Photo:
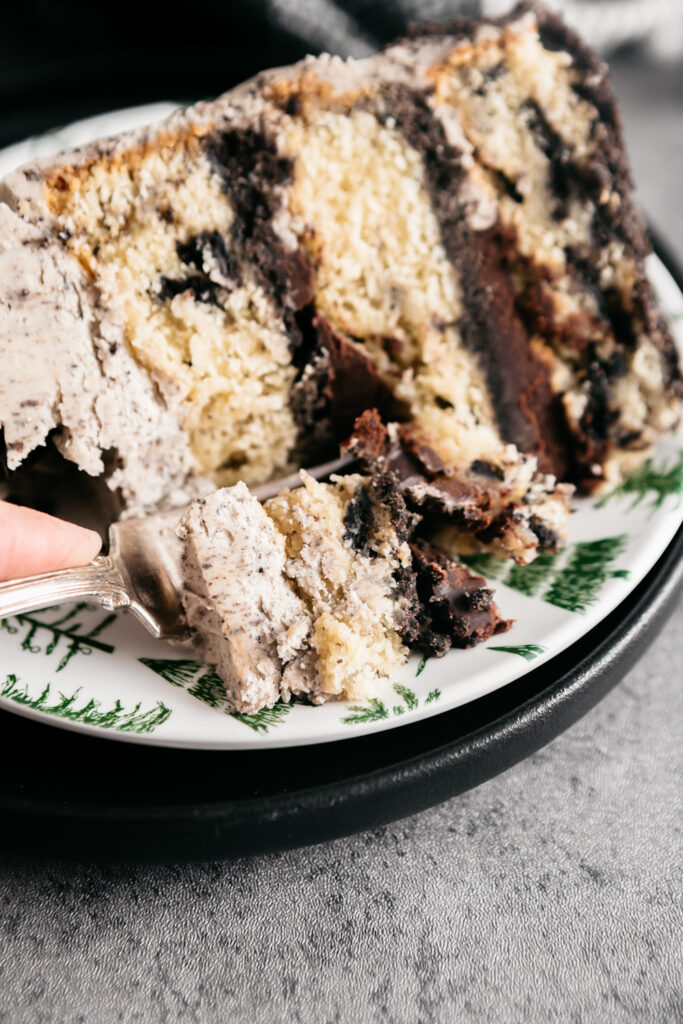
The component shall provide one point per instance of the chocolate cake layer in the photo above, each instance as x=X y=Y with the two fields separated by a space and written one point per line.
x=579 y=288
x=457 y=606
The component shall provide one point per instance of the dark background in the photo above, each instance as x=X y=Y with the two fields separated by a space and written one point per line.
x=59 y=62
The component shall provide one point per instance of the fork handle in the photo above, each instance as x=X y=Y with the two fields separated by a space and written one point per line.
x=100 y=581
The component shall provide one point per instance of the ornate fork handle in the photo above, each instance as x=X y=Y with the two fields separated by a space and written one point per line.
x=100 y=581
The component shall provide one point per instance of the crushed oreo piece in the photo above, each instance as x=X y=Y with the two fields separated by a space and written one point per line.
x=547 y=538
x=252 y=173
x=598 y=415
x=208 y=252
x=457 y=605
x=564 y=171
x=508 y=186
x=358 y=519
x=202 y=290
x=376 y=505
x=615 y=365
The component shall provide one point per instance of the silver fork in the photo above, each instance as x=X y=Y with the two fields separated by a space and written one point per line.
x=141 y=573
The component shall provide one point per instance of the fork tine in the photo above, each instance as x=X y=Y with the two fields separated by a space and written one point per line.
x=325 y=469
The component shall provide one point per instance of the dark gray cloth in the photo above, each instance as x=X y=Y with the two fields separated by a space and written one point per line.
x=552 y=893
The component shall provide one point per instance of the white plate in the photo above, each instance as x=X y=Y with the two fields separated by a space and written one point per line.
x=84 y=669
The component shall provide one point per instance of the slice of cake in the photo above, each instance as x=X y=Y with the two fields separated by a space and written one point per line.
x=444 y=232
x=317 y=593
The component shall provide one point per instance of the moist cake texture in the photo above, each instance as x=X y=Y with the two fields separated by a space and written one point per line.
x=444 y=232
x=317 y=594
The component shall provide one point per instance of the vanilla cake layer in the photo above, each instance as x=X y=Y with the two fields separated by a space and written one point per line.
x=444 y=232
x=317 y=593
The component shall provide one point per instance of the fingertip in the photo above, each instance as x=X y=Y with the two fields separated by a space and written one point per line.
x=32 y=542
x=89 y=547
x=73 y=545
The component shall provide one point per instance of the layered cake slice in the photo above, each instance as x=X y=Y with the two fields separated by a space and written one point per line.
x=444 y=232
x=317 y=593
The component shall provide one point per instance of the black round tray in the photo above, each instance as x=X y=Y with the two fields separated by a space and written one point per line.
x=67 y=795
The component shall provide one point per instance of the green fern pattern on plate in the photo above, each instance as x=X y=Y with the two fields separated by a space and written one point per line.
x=375 y=710
x=265 y=719
x=117 y=717
x=647 y=480
x=407 y=695
x=210 y=689
x=179 y=673
x=590 y=565
x=528 y=579
x=526 y=651
x=43 y=635
x=360 y=714
x=571 y=579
